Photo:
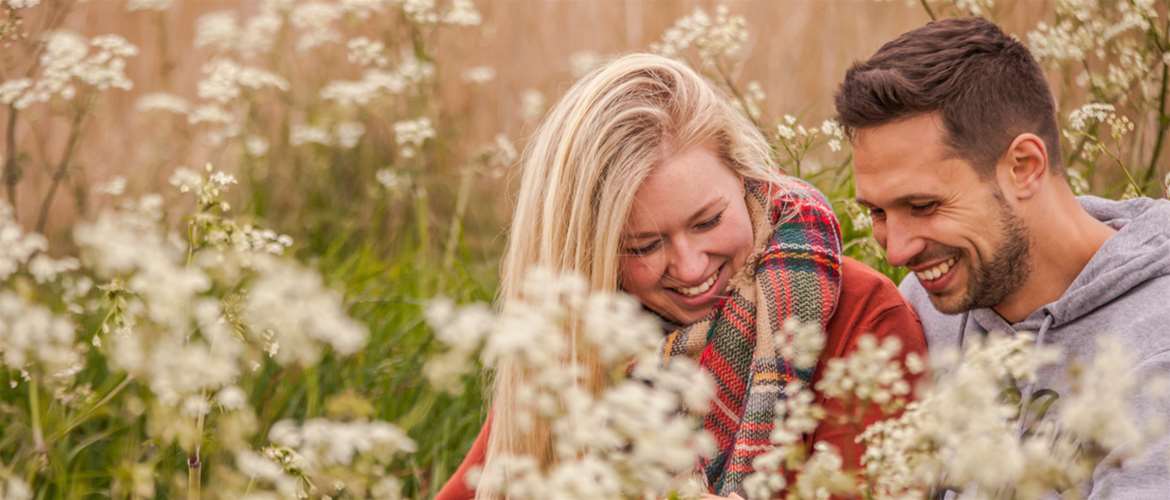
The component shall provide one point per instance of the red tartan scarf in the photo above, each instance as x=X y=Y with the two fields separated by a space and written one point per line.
x=795 y=273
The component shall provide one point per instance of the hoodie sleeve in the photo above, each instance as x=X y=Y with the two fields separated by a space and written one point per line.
x=1148 y=474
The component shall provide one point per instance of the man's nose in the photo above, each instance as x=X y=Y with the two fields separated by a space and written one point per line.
x=900 y=241
x=688 y=262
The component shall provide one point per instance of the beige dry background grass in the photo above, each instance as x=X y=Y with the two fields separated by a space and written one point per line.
x=798 y=50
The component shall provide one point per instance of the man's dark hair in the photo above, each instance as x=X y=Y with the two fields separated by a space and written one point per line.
x=985 y=85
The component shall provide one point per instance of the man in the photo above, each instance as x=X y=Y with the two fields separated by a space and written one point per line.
x=957 y=157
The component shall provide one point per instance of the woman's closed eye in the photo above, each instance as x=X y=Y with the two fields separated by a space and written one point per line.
x=710 y=223
x=644 y=249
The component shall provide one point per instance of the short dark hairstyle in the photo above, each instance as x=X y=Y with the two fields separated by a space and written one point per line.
x=985 y=84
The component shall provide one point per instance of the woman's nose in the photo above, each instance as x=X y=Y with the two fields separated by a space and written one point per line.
x=688 y=262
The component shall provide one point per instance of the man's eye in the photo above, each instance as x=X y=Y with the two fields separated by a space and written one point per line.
x=877 y=213
x=923 y=208
x=643 y=250
x=710 y=223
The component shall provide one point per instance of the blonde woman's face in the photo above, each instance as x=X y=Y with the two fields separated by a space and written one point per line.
x=688 y=234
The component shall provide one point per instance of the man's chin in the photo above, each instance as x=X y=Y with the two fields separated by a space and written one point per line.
x=949 y=303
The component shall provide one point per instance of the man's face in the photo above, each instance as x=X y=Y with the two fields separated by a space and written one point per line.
x=935 y=215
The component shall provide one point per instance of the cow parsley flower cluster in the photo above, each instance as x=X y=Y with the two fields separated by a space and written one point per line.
x=334 y=458
x=226 y=80
x=794 y=141
x=971 y=431
x=379 y=82
x=634 y=437
x=68 y=60
x=713 y=38
x=873 y=373
x=1082 y=124
x=1106 y=41
x=411 y=134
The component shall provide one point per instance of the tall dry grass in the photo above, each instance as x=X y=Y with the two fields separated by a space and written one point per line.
x=798 y=51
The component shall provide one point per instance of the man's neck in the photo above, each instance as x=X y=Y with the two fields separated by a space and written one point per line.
x=1061 y=245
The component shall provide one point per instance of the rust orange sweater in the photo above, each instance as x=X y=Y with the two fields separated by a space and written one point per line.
x=869 y=303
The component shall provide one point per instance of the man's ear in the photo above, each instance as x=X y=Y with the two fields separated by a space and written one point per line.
x=1024 y=166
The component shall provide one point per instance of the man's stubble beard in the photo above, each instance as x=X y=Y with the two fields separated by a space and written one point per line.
x=1008 y=268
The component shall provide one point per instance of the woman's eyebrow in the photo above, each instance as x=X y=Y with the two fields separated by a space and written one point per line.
x=699 y=214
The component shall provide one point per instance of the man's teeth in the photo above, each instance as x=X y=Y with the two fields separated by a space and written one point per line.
x=936 y=271
x=700 y=289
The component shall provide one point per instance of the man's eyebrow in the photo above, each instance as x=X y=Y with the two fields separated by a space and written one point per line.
x=694 y=217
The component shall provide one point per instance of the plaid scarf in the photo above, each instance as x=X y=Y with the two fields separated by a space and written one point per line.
x=795 y=273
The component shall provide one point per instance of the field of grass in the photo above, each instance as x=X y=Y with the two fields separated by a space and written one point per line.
x=390 y=219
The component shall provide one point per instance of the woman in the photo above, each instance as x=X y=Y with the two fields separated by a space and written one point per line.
x=643 y=178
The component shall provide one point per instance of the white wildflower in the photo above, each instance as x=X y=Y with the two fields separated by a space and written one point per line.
x=255 y=145
x=113 y=187
x=362 y=9
x=219 y=30
x=872 y=373
x=479 y=74
x=16 y=246
x=325 y=443
x=582 y=62
x=315 y=21
x=975 y=7
x=411 y=134
x=349 y=134
x=462 y=13
x=802 y=343
x=1096 y=412
x=159 y=5
x=294 y=306
x=420 y=11
x=22 y=4
x=211 y=115
x=44 y=268
x=162 y=101
x=231 y=398
x=227 y=79
x=373 y=84
x=262 y=468
x=15 y=92
x=307 y=134
x=366 y=52
x=31 y=336
x=259 y=34
x=390 y=180
x=715 y=38
x=15 y=488
x=531 y=104
x=1077 y=181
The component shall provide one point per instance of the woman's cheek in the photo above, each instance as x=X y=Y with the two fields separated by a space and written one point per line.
x=637 y=273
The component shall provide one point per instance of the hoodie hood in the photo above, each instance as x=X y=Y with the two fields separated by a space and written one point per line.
x=1139 y=252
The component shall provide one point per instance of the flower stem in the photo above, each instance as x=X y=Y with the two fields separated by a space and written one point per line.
x=461 y=203
x=1163 y=124
x=194 y=471
x=12 y=171
x=34 y=406
x=63 y=166
x=195 y=465
x=929 y=11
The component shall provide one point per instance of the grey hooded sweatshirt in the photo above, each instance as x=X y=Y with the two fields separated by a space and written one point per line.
x=1124 y=292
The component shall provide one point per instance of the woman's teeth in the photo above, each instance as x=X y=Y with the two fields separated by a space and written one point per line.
x=936 y=271
x=700 y=289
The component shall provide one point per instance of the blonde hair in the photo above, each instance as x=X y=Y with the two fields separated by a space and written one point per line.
x=579 y=174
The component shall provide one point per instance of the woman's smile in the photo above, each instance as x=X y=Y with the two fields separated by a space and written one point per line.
x=703 y=294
